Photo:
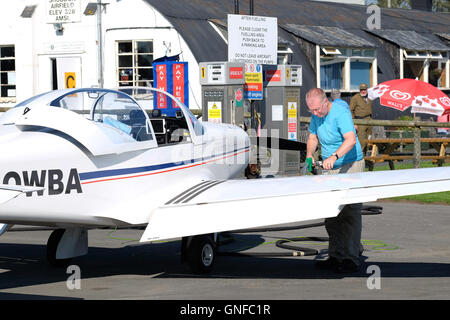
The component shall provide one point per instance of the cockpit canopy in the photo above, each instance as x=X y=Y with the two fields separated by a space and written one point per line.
x=107 y=120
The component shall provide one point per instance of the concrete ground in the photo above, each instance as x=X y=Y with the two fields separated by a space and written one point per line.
x=407 y=246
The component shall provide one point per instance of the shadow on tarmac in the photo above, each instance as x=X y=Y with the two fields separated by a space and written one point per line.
x=17 y=296
x=26 y=265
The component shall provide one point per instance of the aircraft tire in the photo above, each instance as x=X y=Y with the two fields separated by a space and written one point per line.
x=52 y=246
x=201 y=254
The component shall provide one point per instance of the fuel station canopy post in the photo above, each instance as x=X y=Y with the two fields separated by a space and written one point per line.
x=91 y=9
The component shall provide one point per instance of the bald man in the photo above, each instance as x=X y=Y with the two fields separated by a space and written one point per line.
x=332 y=126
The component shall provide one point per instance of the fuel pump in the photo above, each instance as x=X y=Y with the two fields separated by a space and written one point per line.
x=280 y=115
x=222 y=92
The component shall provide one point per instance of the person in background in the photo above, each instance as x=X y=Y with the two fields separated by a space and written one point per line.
x=335 y=94
x=332 y=126
x=443 y=118
x=361 y=108
x=253 y=171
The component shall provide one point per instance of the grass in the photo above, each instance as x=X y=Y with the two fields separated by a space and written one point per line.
x=436 y=198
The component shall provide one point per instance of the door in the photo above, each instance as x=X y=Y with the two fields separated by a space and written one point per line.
x=66 y=72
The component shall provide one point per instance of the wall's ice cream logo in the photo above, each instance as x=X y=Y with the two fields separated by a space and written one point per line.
x=396 y=94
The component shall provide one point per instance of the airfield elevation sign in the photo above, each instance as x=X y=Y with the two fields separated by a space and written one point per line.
x=252 y=39
x=63 y=11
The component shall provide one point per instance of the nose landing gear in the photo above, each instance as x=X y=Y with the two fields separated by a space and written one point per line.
x=65 y=244
x=52 y=247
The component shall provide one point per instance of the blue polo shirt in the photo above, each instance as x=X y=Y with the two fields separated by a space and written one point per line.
x=330 y=131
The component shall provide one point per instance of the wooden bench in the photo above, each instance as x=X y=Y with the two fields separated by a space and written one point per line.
x=380 y=150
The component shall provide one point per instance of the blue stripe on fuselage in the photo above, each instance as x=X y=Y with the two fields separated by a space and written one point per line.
x=125 y=171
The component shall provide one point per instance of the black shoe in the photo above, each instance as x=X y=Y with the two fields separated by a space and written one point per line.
x=347 y=266
x=329 y=264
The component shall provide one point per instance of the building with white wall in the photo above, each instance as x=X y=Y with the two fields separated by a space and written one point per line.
x=43 y=49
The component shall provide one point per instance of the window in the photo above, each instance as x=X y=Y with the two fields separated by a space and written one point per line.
x=429 y=66
x=111 y=111
x=183 y=127
x=284 y=54
x=134 y=63
x=437 y=74
x=346 y=68
x=359 y=73
x=121 y=112
x=331 y=73
x=413 y=69
x=330 y=51
x=7 y=72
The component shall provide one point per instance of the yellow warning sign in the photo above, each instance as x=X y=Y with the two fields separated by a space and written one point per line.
x=70 y=80
x=255 y=77
x=215 y=111
x=292 y=110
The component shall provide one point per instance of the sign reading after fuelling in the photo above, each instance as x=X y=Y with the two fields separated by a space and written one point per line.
x=63 y=11
x=252 y=39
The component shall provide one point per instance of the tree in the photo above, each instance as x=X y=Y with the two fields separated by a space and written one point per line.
x=403 y=4
x=441 y=5
x=438 y=5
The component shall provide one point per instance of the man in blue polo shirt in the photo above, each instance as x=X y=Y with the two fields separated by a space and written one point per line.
x=332 y=126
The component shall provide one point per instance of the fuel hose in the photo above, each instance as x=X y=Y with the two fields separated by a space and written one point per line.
x=286 y=243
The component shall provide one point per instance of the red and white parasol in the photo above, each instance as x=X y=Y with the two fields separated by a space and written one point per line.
x=401 y=94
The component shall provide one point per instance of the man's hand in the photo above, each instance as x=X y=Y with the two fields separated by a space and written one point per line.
x=329 y=163
x=310 y=163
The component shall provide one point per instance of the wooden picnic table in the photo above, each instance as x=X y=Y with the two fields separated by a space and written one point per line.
x=385 y=149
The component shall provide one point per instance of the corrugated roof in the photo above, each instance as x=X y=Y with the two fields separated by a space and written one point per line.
x=303 y=12
x=445 y=36
x=191 y=18
x=412 y=40
x=328 y=36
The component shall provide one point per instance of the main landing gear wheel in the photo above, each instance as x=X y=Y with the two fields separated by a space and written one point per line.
x=52 y=246
x=200 y=253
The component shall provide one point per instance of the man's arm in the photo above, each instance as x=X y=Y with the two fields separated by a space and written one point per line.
x=311 y=145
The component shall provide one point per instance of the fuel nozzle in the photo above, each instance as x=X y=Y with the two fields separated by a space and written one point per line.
x=318 y=167
x=315 y=167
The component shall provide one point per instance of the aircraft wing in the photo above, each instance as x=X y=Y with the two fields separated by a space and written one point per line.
x=225 y=205
x=8 y=192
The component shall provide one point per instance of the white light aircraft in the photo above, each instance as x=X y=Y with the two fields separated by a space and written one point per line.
x=79 y=159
